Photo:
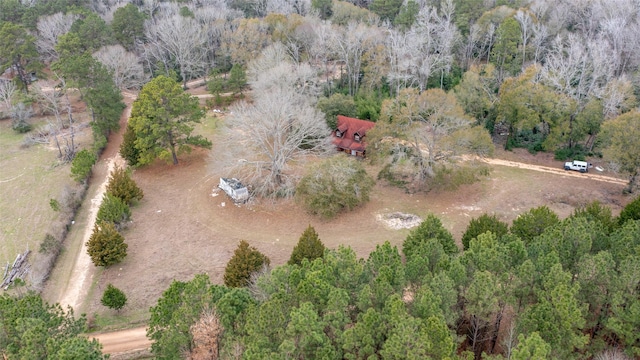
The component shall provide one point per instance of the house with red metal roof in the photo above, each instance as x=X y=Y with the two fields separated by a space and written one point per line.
x=349 y=135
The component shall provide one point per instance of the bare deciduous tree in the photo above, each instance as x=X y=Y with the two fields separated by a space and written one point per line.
x=425 y=50
x=351 y=43
x=7 y=91
x=540 y=35
x=579 y=69
x=526 y=24
x=177 y=39
x=55 y=101
x=125 y=67
x=206 y=334
x=49 y=29
x=278 y=127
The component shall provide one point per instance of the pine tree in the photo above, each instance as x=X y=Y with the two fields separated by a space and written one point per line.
x=113 y=210
x=128 y=148
x=113 y=298
x=122 y=186
x=106 y=245
x=245 y=261
x=630 y=212
x=309 y=247
x=481 y=225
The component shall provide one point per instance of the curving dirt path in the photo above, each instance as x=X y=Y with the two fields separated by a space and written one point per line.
x=123 y=341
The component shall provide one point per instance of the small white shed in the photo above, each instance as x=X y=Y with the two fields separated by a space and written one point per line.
x=235 y=189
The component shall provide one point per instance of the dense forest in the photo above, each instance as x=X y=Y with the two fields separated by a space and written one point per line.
x=556 y=76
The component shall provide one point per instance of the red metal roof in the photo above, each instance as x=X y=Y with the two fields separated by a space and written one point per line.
x=349 y=127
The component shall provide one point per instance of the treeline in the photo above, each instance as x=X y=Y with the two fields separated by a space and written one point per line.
x=552 y=76
x=543 y=288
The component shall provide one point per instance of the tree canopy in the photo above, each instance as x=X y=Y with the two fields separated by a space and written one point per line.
x=34 y=329
x=162 y=118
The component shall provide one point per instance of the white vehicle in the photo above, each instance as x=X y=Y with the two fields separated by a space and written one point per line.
x=577 y=165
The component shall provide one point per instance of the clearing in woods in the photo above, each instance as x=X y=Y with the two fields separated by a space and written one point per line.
x=185 y=226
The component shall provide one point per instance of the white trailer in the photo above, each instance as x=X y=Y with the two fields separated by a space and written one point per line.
x=235 y=189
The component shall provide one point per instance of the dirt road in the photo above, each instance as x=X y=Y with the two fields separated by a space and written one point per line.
x=551 y=170
x=123 y=341
x=80 y=278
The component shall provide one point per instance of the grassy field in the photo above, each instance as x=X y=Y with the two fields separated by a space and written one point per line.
x=29 y=178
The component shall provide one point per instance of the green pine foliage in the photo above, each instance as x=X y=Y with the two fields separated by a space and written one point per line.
x=128 y=149
x=163 y=118
x=630 y=212
x=596 y=212
x=122 y=186
x=245 y=261
x=82 y=164
x=429 y=228
x=113 y=298
x=336 y=185
x=106 y=245
x=573 y=288
x=481 y=225
x=114 y=210
x=308 y=247
x=334 y=105
x=533 y=223
x=34 y=329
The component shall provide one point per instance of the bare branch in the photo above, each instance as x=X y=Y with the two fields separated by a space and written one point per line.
x=125 y=66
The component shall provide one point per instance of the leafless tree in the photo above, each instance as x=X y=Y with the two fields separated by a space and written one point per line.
x=618 y=97
x=177 y=39
x=207 y=334
x=7 y=91
x=612 y=354
x=278 y=127
x=351 y=43
x=424 y=50
x=210 y=11
x=473 y=40
x=526 y=25
x=20 y=115
x=400 y=59
x=125 y=67
x=449 y=38
x=55 y=101
x=540 y=35
x=580 y=69
x=270 y=58
x=322 y=48
x=49 y=29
